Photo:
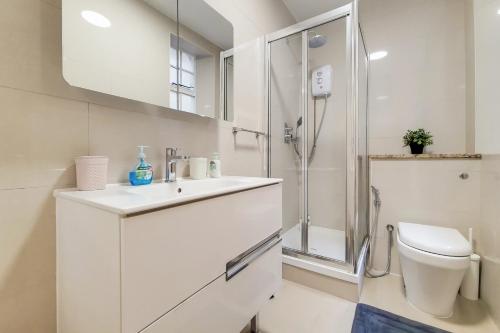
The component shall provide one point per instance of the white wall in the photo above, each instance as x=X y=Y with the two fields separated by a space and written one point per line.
x=425 y=192
x=470 y=73
x=46 y=123
x=489 y=244
x=487 y=75
x=421 y=82
x=486 y=28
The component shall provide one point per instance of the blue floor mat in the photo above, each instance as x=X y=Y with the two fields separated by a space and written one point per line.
x=369 y=319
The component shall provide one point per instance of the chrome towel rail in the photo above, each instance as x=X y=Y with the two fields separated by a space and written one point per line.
x=257 y=133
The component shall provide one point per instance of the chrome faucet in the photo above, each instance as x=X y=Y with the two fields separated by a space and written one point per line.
x=171 y=164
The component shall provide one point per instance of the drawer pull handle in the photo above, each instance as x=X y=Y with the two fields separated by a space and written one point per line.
x=242 y=261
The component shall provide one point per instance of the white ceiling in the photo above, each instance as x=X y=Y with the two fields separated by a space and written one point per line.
x=198 y=16
x=304 y=9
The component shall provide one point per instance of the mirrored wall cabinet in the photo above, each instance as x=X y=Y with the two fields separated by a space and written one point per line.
x=175 y=54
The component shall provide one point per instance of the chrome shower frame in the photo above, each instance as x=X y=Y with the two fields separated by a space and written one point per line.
x=353 y=219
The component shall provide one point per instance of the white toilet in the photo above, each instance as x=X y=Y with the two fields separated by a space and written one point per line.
x=433 y=263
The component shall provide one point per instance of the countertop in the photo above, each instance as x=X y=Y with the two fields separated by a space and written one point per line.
x=126 y=200
x=426 y=157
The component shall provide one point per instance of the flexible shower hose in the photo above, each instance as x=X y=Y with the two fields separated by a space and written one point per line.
x=316 y=132
x=377 y=203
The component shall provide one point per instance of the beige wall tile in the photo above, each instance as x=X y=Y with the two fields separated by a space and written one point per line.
x=489 y=240
x=56 y=3
x=117 y=133
x=27 y=261
x=421 y=82
x=490 y=288
x=40 y=137
x=249 y=78
x=470 y=90
x=487 y=80
x=265 y=14
x=242 y=153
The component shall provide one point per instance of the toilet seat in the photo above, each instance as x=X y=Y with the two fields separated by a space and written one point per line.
x=432 y=259
x=434 y=240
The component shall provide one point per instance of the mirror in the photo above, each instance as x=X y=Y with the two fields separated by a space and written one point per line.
x=226 y=87
x=168 y=53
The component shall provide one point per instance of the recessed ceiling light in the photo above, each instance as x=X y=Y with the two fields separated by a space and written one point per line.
x=382 y=98
x=96 y=19
x=378 y=55
x=498 y=12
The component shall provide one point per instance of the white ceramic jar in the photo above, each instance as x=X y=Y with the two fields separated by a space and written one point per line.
x=198 y=167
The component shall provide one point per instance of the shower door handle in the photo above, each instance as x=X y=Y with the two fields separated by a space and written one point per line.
x=288 y=134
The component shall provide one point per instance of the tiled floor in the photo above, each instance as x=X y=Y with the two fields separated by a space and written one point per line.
x=299 y=309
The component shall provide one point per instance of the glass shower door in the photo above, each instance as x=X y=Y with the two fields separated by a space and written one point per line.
x=312 y=131
x=285 y=100
x=327 y=118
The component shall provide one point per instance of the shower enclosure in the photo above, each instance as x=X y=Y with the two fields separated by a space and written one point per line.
x=317 y=90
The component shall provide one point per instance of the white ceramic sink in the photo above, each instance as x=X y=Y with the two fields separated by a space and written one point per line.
x=125 y=199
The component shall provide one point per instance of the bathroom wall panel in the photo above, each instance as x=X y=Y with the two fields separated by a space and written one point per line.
x=470 y=89
x=489 y=241
x=40 y=136
x=115 y=133
x=27 y=260
x=242 y=153
x=249 y=87
x=421 y=81
x=426 y=192
x=487 y=74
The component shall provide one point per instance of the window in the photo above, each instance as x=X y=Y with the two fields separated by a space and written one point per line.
x=184 y=91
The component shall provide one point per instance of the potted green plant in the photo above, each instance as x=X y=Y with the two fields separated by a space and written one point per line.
x=417 y=140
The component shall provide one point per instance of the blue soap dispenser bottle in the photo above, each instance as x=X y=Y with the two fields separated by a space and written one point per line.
x=142 y=174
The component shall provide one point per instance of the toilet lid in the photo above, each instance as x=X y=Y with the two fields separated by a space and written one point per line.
x=438 y=240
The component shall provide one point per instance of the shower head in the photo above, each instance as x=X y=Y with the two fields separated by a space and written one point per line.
x=317 y=40
x=376 y=196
